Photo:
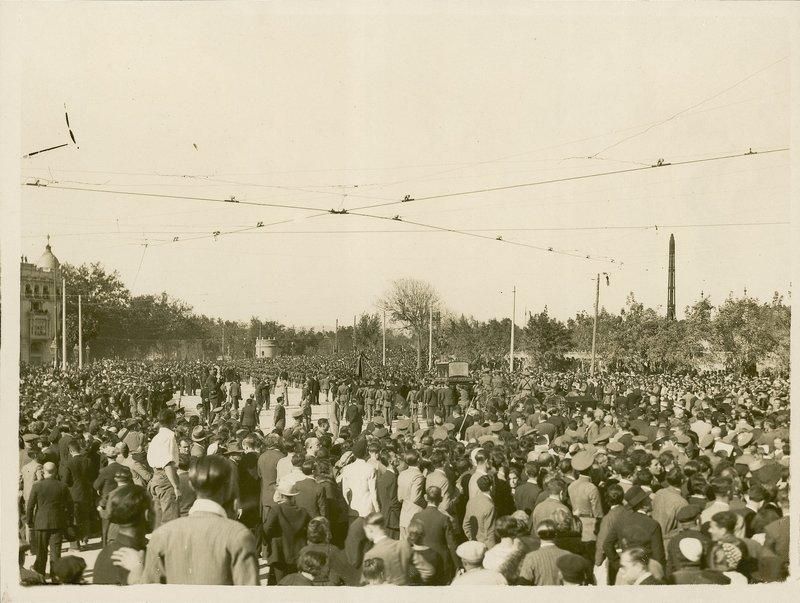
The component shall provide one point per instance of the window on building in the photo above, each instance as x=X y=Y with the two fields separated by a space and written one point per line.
x=46 y=291
x=28 y=291
x=36 y=290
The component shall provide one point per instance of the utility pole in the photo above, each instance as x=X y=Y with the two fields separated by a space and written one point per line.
x=430 y=336
x=80 y=334
x=513 y=318
x=594 y=328
x=384 y=338
x=63 y=324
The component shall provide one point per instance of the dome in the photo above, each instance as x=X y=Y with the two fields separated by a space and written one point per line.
x=48 y=261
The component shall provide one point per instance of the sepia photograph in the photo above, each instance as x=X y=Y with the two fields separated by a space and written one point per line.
x=369 y=295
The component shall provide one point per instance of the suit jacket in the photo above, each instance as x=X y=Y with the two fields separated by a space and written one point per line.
x=396 y=556
x=50 y=505
x=268 y=472
x=105 y=482
x=411 y=493
x=441 y=480
x=311 y=497
x=777 y=540
x=634 y=526
x=545 y=510
x=525 y=497
x=438 y=529
x=609 y=523
x=285 y=530
x=279 y=417
x=223 y=552
x=479 y=520
x=249 y=417
x=78 y=474
x=386 y=489
x=666 y=504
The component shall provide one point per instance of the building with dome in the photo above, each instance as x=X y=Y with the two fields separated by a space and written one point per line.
x=40 y=307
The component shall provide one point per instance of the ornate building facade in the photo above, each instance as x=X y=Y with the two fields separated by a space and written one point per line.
x=40 y=307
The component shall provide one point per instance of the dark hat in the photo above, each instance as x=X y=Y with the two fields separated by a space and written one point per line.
x=69 y=569
x=131 y=422
x=574 y=568
x=688 y=513
x=233 y=447
x=360 y=448
x=635 y=496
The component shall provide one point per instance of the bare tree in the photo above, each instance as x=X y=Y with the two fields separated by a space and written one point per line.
x=408 y=302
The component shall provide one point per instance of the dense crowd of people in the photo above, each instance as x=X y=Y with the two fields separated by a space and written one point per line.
x=531 y=478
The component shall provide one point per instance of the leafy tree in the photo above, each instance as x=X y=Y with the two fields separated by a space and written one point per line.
x=546 y=339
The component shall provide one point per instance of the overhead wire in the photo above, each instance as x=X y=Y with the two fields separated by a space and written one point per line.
x=687 y=109
x=659 y=164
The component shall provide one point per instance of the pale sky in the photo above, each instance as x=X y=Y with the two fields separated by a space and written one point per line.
x=299 y=109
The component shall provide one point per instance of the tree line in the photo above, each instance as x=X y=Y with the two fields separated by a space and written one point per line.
x=739 y=334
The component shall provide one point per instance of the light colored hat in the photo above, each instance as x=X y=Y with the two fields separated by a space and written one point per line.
x=691 y=548
x=471 y=551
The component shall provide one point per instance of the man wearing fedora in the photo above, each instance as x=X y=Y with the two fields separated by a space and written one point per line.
x=284 y=532
x=199 y=442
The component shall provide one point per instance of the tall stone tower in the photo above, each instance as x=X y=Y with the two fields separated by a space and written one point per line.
x=671 y=280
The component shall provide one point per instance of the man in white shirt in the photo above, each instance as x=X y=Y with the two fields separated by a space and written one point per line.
x=162 y=456
x=358 y=482
x=721 y=488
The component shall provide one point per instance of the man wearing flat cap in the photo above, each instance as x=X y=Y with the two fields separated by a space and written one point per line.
x=585 y=500
x=471 y=554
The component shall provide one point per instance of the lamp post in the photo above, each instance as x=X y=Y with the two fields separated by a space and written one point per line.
x=53 y=349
